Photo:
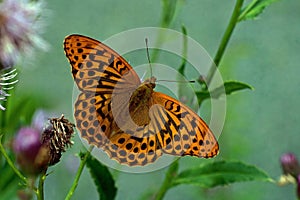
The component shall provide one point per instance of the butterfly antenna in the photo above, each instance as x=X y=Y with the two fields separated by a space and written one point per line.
x=192 y=81
x=148 y=56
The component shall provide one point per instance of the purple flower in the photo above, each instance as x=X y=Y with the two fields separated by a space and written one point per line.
x=31 y=156
x=290 y=165
x=20 y=26
x=291 y=171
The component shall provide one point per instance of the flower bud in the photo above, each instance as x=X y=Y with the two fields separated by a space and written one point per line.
x=290 y=165
x=31 y=156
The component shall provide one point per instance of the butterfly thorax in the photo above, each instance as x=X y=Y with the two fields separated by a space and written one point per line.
x=139 y=103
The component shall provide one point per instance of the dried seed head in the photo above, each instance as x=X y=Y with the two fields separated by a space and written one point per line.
x=57 y=137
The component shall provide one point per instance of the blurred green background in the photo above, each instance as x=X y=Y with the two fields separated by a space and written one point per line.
x=260 y=125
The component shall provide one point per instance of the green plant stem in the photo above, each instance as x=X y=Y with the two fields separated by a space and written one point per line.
x=10 y=163
x=184 y=50
x=225 y=39
x=78 y=174
x=172 y=170
x=171 y=173
x=168 y=15
x=3 y=116
x=40 y=189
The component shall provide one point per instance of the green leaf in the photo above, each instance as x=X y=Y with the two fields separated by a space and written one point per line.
x=220 y=173
x=253 y=9
x=185 y=92
x=11 y=190
x=202 y=95
x=103 y=179
x=9 y=182
x=229 y=87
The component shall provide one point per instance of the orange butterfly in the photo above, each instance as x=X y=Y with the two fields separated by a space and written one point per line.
x=131 y=122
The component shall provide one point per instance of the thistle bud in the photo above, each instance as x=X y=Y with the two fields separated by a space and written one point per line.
x=290 y=165
x=31 y=155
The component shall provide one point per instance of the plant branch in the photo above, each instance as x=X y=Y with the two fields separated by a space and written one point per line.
x=184 y=50
x=168 y=15
x=171 y=173
x=172 y=170
x=10 y=163
x=78 y=174
x=40 y=189
x=225 y=39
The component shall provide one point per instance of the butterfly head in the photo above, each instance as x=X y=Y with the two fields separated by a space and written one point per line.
x=150 y=81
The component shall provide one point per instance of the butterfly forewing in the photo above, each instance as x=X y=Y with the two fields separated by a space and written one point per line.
x=132 y=131
x=95 y=67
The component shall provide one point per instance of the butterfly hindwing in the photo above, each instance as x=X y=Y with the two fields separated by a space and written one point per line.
x=180 y=130
x=126 y=148
x=93 y=118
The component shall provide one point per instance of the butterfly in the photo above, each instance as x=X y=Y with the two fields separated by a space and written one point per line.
x=125 y=117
